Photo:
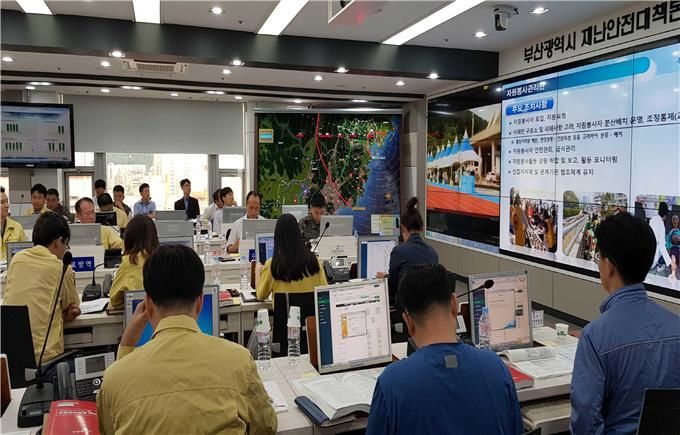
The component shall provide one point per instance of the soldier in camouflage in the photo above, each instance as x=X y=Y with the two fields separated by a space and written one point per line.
x=310 y=225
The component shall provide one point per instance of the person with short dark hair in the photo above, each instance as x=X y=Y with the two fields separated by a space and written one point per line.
x=118 y=198
x=33 y=278
x=52 y=202
x=12 y=231
x=226 y=195
x=105 y=203
x=99 y=187
x=145 y=206
x=182 y=381
x=216 y=207
x=310 y=225
x=86 y=215
x=633 y=346
x=38 y=199
x=141 y=241
x=445 y=386
x=187 y=202
x=253 y=201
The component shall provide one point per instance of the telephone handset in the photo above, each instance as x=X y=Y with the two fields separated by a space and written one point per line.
x=87 y=379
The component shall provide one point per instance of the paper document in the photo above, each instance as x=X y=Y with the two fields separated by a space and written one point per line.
x=547 y=367
x=568 y=350
x=95 y=306
x=516 y=355
x=276 y=396
x=547 y=336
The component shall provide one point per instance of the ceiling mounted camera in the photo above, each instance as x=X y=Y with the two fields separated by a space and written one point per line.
x=501 y=17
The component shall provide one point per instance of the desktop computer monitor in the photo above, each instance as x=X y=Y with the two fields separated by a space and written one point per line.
x=352 y=325
x=14 y=247
x=27 y=222
x=251 y=227
x=180 y=228
x=85 y=234
x=232 y=214
x=208 y=319
x=385 y=224
x=108 y=218
x=264 y=247
x=299 y=211
x=187 y=241
x=171 y=215
x=506 y=294
x=338 y=225
x=373 y=255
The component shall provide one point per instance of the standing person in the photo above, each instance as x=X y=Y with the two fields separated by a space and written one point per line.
x=253 y=201
x=182 y=381
x=145 y=206
x=52 y=201
x=635 y=343
x=86 y=215
x=38 y=199
x=187 y=202
x=12 y=231
x=658 y=224
x=119 y=197
x=310 y=225
x=105 y=203
x=445 y=386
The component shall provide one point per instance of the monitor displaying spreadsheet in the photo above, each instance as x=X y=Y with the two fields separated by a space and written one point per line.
x=373 y=255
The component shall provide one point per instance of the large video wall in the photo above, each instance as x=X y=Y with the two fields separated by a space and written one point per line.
x=576 y=146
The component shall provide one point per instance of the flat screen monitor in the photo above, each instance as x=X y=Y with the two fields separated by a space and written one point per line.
x=373 y=255
x=338 y=225
x=506 y=294
x=353 y=325
x=385 y=224
x=171 y=215
x=232 y=214
x=187 y=241
x=37 y=135
x=86 y=234
x=27 y=222
x=180 y=228
x=264 y=247
x=14 y=247
x=208 y=319
x=108 y=218
x=251 y=227
x=299 y=211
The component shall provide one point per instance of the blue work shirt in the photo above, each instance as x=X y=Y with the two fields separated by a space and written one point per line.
x=632 y=346
x=421 y=395
x=413 y=251
x=144 y=208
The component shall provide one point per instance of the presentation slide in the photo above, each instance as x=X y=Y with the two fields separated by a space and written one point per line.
x=581 y=145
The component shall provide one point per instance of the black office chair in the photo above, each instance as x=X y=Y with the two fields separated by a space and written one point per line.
x=282 y=303
x=660 y=413
x=16 y=342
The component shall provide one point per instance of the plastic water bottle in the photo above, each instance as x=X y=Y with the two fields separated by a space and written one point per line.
x=484 y=329
x=207 y=255
x=245 y=269
x=294 y=336
x=263 y=331
x=225 y=252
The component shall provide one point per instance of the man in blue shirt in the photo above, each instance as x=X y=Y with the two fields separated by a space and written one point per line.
x=445 y=386
x=145 y=206
x=633 y=345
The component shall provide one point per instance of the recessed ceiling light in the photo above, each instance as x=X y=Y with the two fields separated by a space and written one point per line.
x=226 y=71
x=174 y=94
x=216 y=10
x=7 y=59
x=400 y=83
x=297 y=101
x=105 y=63
x=41 y=83
x=236 y=62
x=34 y=7
x=433 y=76
x=117 y=54
x=480 y=34
x=281 y=16
x=539 y=10
x=359 y=101
x=341 y=70
x=104 y=90
x=147 y=11
x=498 y=89
x=30 y=88
x=238 y=97
x=215 y=92
x=131 y=88
x=318 y=78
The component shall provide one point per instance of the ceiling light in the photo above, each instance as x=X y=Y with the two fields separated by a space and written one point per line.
x=433 y=76
x=30 y=88
x=147 y=11
x=400 y=83
x=480 y=34
x=238 y=97
x=117 y=54
x=104 y=90
x=297 y=101
x=41 y=83
x=539 y=10
x=498 y=89
x=7 y=59
x=216 y=10
x=215 y=92
x=174 y=94
x=131 y=88
x=341 y=70
x=34 y=7
x=105 y=63
x=281 y=16
x=236 y=62
x=318 y=78
x=441 y=16
x=226 y=71
x=359 y=101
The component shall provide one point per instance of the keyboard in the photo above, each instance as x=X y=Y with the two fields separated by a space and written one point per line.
x=551 y=416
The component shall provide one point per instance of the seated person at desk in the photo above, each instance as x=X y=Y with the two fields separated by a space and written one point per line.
x=145 y=206
x=33 y=279
x=182 y=381
x=213 y=208
x=86 y=215
x=141 y=240
x=54 y=205
x=187 y=202
x=226 y=200
x=105 y=203
x=253 y=200
x=293 y=267
x=38 y=198
x=633 y=345
x=445 y=386
x=12 y=231
x=310 y=225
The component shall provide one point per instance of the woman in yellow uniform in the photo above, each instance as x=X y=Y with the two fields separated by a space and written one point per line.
x=141 y=240
x=293 y=268
x=12 y=231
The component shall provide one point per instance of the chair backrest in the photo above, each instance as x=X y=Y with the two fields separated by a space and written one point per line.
x=660 y=412
x=282 y=302
x=16 y=342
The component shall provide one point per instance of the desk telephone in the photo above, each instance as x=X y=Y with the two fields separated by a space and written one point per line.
x=87 y=379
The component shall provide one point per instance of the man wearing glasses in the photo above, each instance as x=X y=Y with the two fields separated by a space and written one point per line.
x=33 y=278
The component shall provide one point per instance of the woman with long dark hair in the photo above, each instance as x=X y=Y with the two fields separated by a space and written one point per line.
x=293 y=268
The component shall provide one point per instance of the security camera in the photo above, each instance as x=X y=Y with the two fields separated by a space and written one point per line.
x=501 y=17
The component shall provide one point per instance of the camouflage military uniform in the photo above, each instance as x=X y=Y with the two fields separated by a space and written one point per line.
x=309 y=228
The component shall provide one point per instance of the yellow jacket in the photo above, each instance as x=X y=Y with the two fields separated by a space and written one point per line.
x=184 y=382
x=32 y=280
x=128 y=277
x=121 y=217
x=29 y=211
x=14 y=232
x=268 y=285
x=110 y=238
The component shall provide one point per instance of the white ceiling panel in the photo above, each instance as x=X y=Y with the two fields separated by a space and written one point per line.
x=115 y=9
x=246 y=16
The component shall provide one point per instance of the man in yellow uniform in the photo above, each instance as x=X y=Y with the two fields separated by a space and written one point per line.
x=182 y=381
x=86 y=215
x=33 y=278
x=12 y=231
x=105 y=203
x=38 y=200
